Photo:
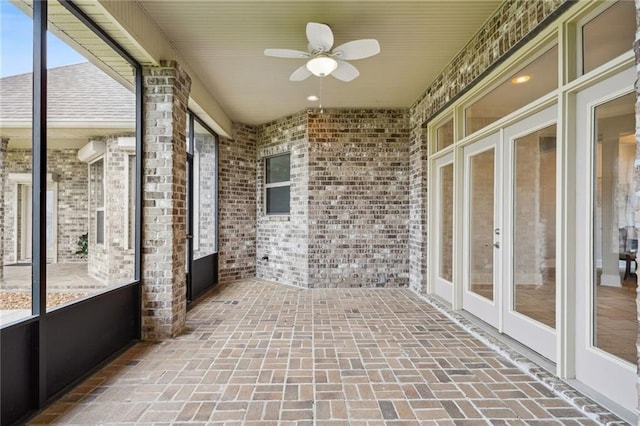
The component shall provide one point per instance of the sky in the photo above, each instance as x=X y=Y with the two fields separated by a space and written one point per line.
x=16 y=44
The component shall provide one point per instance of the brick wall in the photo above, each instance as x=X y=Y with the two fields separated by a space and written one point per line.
x=237 y=211
x=418 y=197
x=358 y=198
x=349 y=199
x=166 y=92
x=72 y=184
x=284 y=238
x=120 y=258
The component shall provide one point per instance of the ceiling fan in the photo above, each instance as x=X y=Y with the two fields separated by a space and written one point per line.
x=324 y=61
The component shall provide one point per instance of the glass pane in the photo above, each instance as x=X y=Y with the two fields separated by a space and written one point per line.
x=481 y=234
x=91 y=138
x=616 y=222
x=278 y=200
x=187 y=133
x=444 y=134
x=205 y=233
x=608 y=35
x=525 y=86
x=534 y=224
x=16 y=92
x=131 y=216
x=100 y=227
x=277 y=168
x=97 y=183
x=446 y=223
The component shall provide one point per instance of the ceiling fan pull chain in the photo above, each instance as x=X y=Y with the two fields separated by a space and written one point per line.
x=321 y=110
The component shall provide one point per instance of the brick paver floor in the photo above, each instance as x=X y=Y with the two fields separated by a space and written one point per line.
x=256 y=352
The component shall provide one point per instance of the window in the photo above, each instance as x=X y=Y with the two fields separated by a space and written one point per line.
x=96 y=173
x=444 y=134
x=608 y=35
x=277 y=184
x=526 y=85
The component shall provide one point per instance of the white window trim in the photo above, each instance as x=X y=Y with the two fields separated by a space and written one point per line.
x=104 y=201
x=276 y=185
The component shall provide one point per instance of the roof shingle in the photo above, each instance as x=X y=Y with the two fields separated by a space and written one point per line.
x=79 y=92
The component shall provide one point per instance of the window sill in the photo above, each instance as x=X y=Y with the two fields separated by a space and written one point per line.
x=277 y=217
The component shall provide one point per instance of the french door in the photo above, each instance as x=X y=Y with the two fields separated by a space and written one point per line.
x=529 y=221
x=481 y=259
x=607 y=239
x=510 y=231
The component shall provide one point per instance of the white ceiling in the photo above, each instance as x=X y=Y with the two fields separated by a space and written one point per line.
x=223 y=42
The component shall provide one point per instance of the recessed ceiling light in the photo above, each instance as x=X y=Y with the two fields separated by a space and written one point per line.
x=312 y=98
x=521 y=79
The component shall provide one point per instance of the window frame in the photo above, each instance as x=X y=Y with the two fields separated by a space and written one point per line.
x=280 y=184
x=92 y=200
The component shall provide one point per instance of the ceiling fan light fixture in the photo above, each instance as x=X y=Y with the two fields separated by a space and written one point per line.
x=322 y=66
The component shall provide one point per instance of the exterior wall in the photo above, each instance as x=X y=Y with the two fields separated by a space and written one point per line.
x=358 y=198
x=284 y=238
x=114 y=260
x=164 y=302
x=349 y=200
x=72 y=184
x=3 y=152
x=418 y=198
x=512 y=23
x=237 y=199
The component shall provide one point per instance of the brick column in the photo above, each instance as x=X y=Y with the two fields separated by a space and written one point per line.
x=4 y=142
x=164 y=303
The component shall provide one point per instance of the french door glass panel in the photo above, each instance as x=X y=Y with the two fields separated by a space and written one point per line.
x=443 y=179
x=529 y=252
x=606 y=224
x=534 y=226
x=481 y=230
x=445 y=263
x=616 y=230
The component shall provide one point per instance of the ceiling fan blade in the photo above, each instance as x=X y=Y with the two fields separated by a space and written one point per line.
x=286 y=53
x=300 y=74
x=320 y=37
x=357 y=49
x=345 y=71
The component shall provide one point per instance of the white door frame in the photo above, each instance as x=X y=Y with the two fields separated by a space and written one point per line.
x=532 y=333
x=441 y=287
x=597 y=369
